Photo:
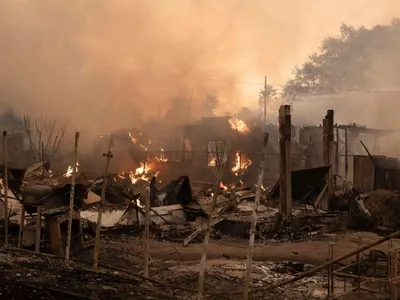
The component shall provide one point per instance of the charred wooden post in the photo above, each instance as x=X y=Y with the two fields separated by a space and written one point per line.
x=346 y=153
x=38 y=228
x=285 y=160
x=71 y=199
x=146 y=235
x=102 y=198
x=328 y=140
x=254 y=218
x=333 y=170
x=325 y=142
x=337 y=150
x=221 y=167
x=5 y=188
x=21 y=224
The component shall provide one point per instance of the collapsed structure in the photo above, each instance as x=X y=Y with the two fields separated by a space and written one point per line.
x=306 y=189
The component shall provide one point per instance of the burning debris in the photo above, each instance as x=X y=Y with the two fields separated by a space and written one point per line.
x=70 y=170
x=145 y=172
x=241 y=163
x=239 y=125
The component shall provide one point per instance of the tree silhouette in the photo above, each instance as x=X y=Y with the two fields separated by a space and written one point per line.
x=359 y=58
x=268 y=92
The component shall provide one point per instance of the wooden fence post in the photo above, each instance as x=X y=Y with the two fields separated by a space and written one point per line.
x=102 y=198
x=254 y=218
x=221 y=165
x=71 y=200
x=5 y=188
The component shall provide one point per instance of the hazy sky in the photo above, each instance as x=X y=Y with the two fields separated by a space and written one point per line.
x=98 y=64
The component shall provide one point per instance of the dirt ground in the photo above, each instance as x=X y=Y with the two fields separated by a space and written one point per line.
x=26 y=276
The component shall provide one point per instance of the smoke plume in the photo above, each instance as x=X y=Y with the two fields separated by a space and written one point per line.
x=99 y=65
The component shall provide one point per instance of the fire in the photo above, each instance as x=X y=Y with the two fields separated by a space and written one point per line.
x=139 y=203
x=147 y=169
x=145 y=172
x=213 y=162
x=239 y=125
x=223 y=186
x=133 y=139
x=241 y=164
x=71 y=169
x=161 y=158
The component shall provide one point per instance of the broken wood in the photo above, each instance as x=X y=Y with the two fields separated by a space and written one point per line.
x=285 y=174
x=146 y=236
x=332 y=170
x=346 y=154
x=102 y=198
x=38 y=228
x=21 y=224
x=71 y=199
x=5 y=187
x=221 y=165
x=320 y=195
x=327 y=264
x=192 y=236
x=254 y=218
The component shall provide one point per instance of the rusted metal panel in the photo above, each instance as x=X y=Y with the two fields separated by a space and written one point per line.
x=364 y=172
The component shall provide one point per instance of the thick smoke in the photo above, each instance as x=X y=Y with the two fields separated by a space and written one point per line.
x=99 y=65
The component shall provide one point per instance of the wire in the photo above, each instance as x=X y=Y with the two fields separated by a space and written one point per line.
x=261 y=84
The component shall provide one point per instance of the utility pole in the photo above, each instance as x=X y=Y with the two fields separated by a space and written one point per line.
x=265 y=101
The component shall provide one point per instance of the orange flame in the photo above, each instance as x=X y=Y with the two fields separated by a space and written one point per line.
x=239 y=125
x=133 y=139
x=145 y=172
x=70 y=170
x=223 y=186
x=213 y=162
x=241 y=164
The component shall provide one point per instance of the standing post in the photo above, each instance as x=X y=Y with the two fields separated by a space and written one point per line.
x=254 y=218
x=221 y=165
x=42 y=158
x=285 y=180
x=337 y=150
x=328 y=139
x=325 y=141
x=346 y=153
x=102 y=198
x=332 y=151
x=288 y=147
x=21 y=224
x=38 y=228
x=5 y=184
x=146 y=235
x=265 y=101
x=71 y=199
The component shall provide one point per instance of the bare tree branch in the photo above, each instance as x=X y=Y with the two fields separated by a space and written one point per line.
x=44 y=130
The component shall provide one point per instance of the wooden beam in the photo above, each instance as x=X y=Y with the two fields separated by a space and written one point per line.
x=21 y=224
x=250 y=250
x=285 y=185
x=346 y=153
x=71 y=200
x=96 y=250
x=38 y=229
x=5 y=188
